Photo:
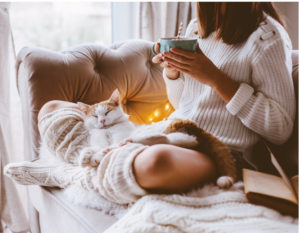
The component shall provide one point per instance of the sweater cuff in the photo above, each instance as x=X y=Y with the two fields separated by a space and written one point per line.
x=240 y=98
x=166 y=77
x=174 y=88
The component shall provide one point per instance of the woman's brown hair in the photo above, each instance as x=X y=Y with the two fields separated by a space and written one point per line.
x=233 y=21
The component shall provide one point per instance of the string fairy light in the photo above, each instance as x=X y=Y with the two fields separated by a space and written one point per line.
x=161 y=112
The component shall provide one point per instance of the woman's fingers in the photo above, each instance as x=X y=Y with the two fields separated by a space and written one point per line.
x=183 y=53
x=180 y=69
x=169 y=61
x=177 y=58
x=157 y=47
x=166 y=66
x=157 y=58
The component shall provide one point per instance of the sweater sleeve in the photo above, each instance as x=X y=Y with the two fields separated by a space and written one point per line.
x=267 y=106
x=175 y=87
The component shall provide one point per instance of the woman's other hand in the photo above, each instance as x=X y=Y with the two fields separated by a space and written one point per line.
x=194 y=64
x=198 y=66
x=159 y=58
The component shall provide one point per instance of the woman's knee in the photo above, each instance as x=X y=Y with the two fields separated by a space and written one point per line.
x=53 y=105
x=170 y=168
x=152 y=165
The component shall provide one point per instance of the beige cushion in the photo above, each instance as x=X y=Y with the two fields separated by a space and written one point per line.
x=89 y=74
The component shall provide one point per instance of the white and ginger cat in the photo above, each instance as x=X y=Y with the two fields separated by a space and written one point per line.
x=109 y=126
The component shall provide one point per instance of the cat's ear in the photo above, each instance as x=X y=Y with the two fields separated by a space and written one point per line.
x=83 y=107
x=115 y=97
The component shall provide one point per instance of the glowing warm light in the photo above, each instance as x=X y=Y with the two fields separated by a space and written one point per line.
x=161 y=113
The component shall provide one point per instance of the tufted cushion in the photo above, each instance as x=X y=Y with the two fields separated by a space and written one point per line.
x=89 y=73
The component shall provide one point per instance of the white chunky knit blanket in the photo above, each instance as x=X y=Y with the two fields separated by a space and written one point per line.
x=208 y=209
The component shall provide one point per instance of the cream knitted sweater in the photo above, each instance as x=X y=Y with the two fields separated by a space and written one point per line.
x=264 y=104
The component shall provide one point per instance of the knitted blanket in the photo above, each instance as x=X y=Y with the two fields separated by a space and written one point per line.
x=208 y=209
x=63 y=133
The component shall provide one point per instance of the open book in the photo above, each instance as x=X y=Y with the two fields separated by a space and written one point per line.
x=280 y=193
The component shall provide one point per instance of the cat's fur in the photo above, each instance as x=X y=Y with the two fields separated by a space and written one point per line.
x=104 y=120
x=210 y=145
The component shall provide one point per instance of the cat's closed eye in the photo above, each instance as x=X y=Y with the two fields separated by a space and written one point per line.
x=107 y=112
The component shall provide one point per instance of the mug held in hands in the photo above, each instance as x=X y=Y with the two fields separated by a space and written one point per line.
x=188 y=44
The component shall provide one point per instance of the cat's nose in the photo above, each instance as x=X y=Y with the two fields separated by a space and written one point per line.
x=102 y=122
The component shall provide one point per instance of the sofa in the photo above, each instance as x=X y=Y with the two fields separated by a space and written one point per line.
x=89 y=74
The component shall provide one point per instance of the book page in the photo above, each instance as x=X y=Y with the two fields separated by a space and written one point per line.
x=266 y=184
x=280 y=170
x=294 y=181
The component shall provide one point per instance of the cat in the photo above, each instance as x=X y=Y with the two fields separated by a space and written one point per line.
x=211 y=146
x=103 y=121
x=108 y=126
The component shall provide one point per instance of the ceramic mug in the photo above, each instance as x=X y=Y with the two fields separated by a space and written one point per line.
x=188 y=44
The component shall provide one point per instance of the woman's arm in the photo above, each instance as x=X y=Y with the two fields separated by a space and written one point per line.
x=268 y=109
x=198 y=66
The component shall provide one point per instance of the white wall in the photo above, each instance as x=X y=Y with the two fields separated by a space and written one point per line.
x=290 y=13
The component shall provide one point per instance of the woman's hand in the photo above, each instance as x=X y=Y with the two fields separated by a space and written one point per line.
x=194 y=64
x=159 y=58
x=198 y=66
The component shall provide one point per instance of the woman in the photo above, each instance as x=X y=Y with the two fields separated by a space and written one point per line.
x=237 y=86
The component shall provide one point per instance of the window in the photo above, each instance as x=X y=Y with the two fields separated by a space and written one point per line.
x=60 y=25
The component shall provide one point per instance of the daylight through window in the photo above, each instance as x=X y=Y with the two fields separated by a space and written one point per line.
x=59 y=26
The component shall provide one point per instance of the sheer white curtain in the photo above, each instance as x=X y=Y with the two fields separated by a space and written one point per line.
x=12 y=212
x=150 y=20
x=161 y=19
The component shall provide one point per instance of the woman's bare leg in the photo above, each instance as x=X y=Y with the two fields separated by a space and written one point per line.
x=53 y=105
x=161 y=168
x=168 y=168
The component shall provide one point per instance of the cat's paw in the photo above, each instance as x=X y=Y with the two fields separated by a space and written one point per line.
x=91 y=156
x=225 y=182
x=183 y=140
x=97 y=157
x=126 y=141
x=151 y=139
x=85 y=156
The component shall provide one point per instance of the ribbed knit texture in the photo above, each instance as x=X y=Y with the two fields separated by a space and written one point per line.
x=264 y=104
x=63 y=133
x=206 y=210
